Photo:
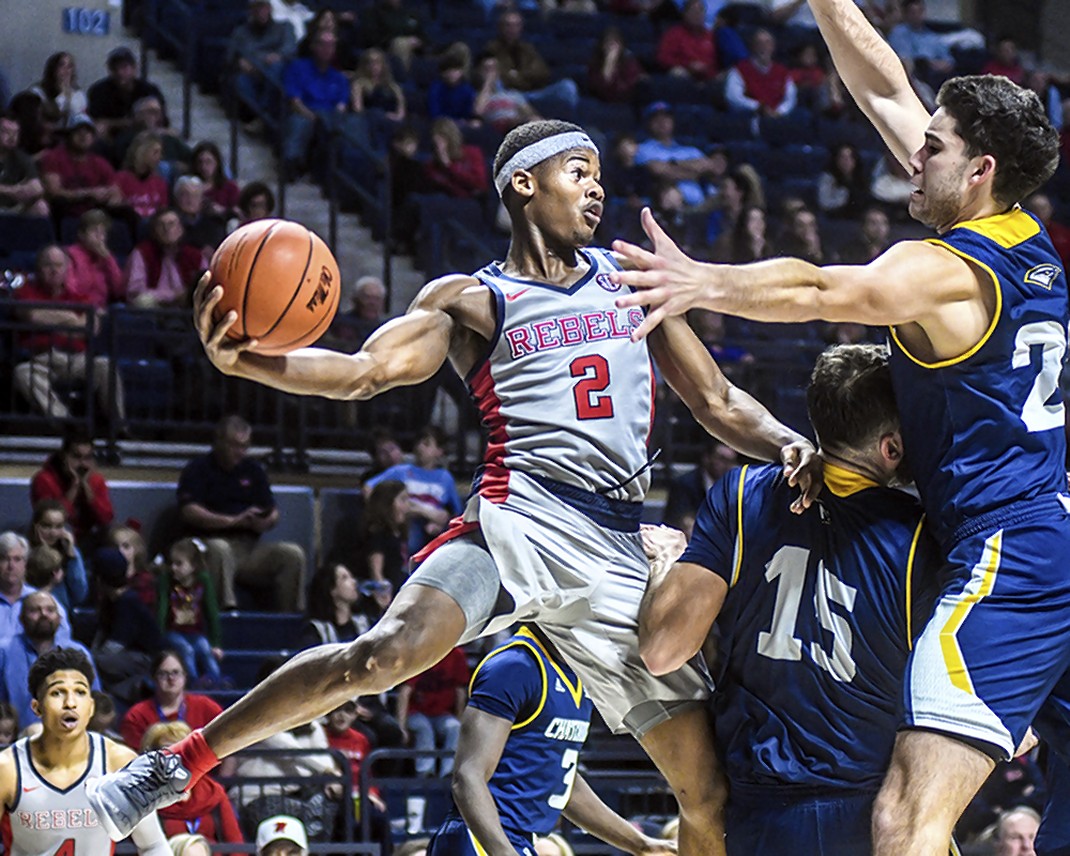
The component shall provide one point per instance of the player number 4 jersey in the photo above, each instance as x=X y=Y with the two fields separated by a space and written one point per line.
x=47 y=821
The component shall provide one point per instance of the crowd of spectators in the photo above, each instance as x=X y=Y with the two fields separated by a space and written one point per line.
x=714 y=115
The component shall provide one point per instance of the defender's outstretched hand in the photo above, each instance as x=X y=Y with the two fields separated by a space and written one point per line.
x=669 y=281
x=222 y=351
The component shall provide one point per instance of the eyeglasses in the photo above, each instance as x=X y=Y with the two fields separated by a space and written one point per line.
x=168 y=674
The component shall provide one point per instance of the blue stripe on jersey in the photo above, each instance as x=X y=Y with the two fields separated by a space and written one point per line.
x=814 y=632
x=986 y=429
x=544 y=699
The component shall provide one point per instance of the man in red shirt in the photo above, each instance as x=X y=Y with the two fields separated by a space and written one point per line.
x=430 y=706
x=75 y=178
x=758 y=84
x=57 y=354
x=687 y=48
x=70 y=476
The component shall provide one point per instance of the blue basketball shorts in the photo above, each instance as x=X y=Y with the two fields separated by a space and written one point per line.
x=454 y=838
x=828 y=824
x=998 y=640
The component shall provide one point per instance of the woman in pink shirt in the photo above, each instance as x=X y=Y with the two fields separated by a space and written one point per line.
x=162 y=270
x=94 y=273
x=144 y=189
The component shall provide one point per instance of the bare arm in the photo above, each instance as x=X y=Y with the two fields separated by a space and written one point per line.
x=404 y=351
x=586 y=809
x=951 y=307
x=479 y=749
x=681 y=602
x=873 y=75
x=724 y=410
x=8 y=779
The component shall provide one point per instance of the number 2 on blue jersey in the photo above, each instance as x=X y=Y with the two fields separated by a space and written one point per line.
x=1037 y=414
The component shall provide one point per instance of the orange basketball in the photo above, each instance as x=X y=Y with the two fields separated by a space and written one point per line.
x=283 y=282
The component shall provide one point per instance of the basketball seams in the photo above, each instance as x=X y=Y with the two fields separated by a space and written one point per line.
x=310 y=336
x=249 y=279
x=297 y=290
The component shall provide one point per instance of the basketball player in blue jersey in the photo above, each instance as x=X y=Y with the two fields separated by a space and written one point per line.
x=516 y=769
x=815 y=617
x=978 y=320
x=45 y=811
x=551 y=531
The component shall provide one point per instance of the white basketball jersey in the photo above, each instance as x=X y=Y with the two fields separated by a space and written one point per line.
x=564 y=393
x=47 y=821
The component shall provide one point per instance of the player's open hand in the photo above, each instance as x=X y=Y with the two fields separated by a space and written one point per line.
x=668 y=281
x=222 y=351
x=804 y=469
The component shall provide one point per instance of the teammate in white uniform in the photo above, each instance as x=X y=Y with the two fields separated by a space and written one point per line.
x=45 y=810
x=550 y=533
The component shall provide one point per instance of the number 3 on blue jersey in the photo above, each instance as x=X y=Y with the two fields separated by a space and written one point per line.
x=1037 y=414
x=570 y=762
x=788 y=569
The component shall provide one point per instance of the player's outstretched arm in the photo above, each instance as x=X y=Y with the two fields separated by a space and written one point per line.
x=586 y=809
x=479 y=749
x=681 y=602
x=727 y=412
x=913 y=281
x=873 y=75
x=404 y=351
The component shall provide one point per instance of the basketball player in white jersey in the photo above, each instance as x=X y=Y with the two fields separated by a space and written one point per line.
x=45 y=811
x=551 y=532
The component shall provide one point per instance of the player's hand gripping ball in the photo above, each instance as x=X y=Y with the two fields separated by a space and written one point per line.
x=281 y=279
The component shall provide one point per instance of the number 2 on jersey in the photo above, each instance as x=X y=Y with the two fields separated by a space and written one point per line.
x=593 y=371
x=1037 y=414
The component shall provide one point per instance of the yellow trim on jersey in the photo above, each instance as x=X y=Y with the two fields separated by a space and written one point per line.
x=989 y=567
x=739 y=527
x=576 y=690
x=953 y=850
x=991 y=327
x=910 y=581
x=1008 y=230
x=542 y=669
x=480 y=850
x=844 y=482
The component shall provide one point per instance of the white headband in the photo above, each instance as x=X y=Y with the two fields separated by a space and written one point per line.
x=539 y=151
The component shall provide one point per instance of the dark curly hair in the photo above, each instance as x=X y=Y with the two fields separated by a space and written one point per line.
x=850 y=399
x=999 y=118
x=59 y=660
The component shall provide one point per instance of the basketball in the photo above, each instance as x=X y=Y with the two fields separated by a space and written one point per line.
x=283 y=282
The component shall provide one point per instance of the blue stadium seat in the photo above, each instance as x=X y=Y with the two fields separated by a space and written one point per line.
x=258 y=631
x=794 y=129
x=242 y=667
x=22 y=235
x=610 y=119
x=733 y=126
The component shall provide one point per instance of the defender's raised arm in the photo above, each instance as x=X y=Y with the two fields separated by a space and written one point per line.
x=874 y=75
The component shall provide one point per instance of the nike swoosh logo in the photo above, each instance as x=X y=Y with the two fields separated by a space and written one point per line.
x=516 y=294
x=26 y=790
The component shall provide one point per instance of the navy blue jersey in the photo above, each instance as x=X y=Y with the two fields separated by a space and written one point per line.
x=986 y=429
x=551 y=715
x=816 y=627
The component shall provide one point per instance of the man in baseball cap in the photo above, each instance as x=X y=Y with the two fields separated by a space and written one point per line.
x=281 y=835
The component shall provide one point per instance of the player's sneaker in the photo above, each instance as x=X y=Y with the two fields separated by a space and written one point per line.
x=122 y=799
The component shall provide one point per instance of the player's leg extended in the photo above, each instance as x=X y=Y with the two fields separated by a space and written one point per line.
x=682 y=748
x=419 y=629
x=931 y=780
